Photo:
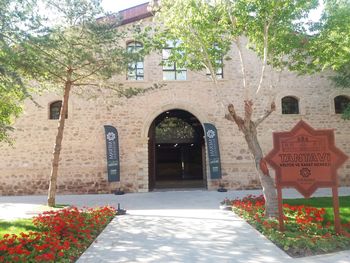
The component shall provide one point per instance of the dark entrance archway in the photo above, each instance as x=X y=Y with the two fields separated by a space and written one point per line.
x=176 y=151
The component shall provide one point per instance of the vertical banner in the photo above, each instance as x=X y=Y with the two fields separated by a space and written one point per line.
x=211 y=137
x=112 y=148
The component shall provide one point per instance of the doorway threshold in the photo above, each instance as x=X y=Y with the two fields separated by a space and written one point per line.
x=173 y=184
x=179 y=189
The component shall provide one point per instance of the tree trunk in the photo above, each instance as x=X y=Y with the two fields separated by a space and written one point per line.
x=249 y=129
x=51 y=200
x=267 y=183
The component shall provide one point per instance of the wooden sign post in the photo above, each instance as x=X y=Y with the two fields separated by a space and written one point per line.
x=306 y=159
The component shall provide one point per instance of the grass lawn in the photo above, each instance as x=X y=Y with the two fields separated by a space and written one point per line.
x=327 y=203
x=20 y=225
x=16 y=226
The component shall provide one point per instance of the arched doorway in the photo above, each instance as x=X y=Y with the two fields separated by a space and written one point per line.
x=176 y=151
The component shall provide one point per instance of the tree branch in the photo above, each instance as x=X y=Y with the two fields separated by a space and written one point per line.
x=47 y=54
x=232 y=116
x=56 y=75
x=263 y=67
x=266 y=114
x=206 y=55
x=248 y=112
x=237 y=41
x=89 y=74
x=86 y=84
x=243 y=69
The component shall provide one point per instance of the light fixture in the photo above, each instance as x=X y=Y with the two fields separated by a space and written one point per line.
x=158 y=145
x=192 y=144
x=175 y=145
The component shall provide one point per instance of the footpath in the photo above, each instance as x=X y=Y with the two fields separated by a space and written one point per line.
x=174 y=226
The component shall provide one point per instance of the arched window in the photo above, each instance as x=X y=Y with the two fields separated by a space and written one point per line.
x=55 y=108
x=135 y=68
x=290 y=105
x=341 y=103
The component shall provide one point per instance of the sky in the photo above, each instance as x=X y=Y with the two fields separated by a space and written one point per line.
x=114 y=6
x=117 y=5
x=111 y=6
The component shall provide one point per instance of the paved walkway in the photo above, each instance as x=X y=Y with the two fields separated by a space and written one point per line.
x=178 y=226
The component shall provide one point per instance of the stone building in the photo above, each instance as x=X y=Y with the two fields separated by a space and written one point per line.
x=161 y=133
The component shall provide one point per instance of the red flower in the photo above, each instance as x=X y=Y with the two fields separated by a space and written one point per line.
x=64 y=230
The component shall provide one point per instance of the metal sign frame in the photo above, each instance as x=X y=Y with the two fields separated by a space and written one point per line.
x=306 y=159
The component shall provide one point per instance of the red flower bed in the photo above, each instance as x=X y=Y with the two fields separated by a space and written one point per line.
x=306 y=233
x=63 y=236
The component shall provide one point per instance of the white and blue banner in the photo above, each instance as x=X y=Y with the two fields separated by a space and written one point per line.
x=112 y=148
x=211 y=137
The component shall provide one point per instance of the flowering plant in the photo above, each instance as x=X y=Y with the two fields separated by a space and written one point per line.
x=63 y=235
x=306 y=230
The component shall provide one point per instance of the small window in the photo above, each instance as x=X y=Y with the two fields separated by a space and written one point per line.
x=170 y=69
x=290 y=105
x=55 y=109
x=219 y=70
x=341 y=103
x=219 y=62
x=135 y=68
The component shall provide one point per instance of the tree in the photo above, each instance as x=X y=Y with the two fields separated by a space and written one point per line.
x=329 y=46
x=78 y=51
x=16 y=21
x=204 y=32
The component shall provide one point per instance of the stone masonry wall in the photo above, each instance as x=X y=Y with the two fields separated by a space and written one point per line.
x=25 y=166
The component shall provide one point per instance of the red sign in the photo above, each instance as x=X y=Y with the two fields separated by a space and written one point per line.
x=305 y=159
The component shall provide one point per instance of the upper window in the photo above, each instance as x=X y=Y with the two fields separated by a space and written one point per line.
x=170 y=69
x=135 y=68
x=55 y=109
x=341 y=103
x=219 y=63
x=219 y=70
x=290 y=105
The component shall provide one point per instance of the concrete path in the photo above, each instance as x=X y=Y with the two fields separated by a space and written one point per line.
x=178 y=226
x=181 y=236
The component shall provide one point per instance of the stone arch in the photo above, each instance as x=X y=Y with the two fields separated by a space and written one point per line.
x=160 y=176
x=150 y=117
